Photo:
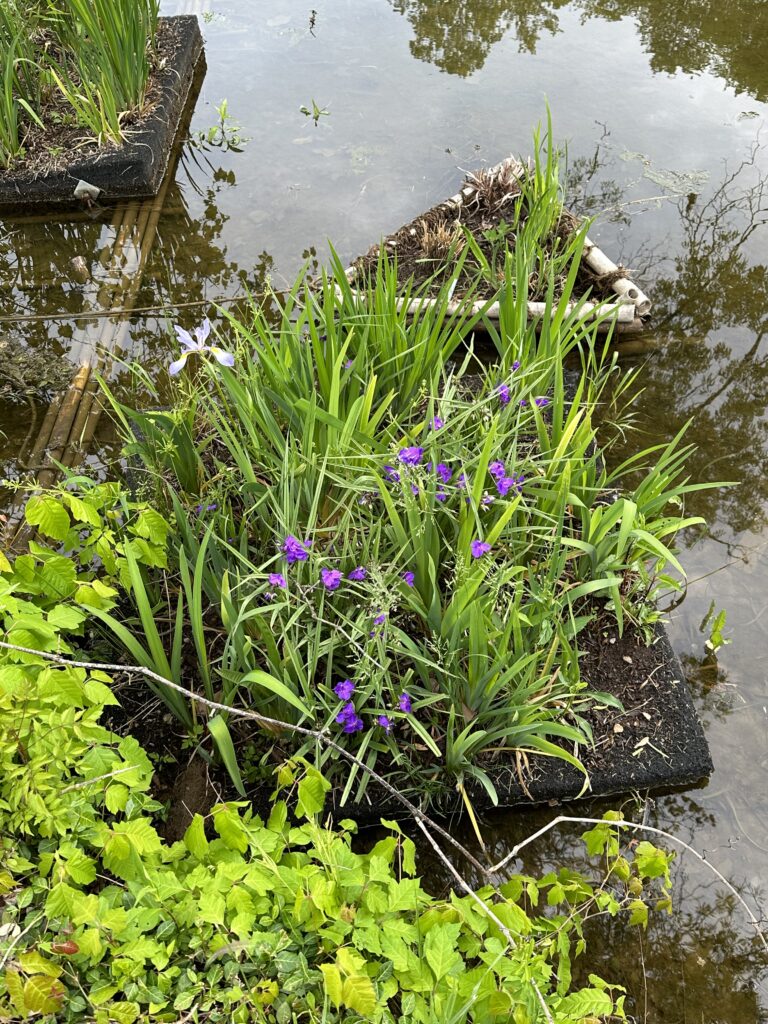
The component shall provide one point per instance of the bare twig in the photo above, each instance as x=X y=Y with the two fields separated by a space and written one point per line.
x=638 y=827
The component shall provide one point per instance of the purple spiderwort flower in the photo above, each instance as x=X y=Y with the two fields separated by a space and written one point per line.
x=487 y=499
x=436 y=423
x=503 y=392
x=276 y=579
x=331 y=578
x=479 y=548
x=349 y=718
x=541 y=402
x=358 y=574
x=349 y=364
x=462 y=481
x=506 y=483
x=380 y=619
x=206 y=508
x=497 y=470
x=443 y=472
x=384 y=722
x=516 y=365
x=409 y=578
x=198 y=344
x=414 y=490
x=295 y=550
x=410 y=456
x=391 y=474
x=440 y=495
x=405 y=704
x=344 y=689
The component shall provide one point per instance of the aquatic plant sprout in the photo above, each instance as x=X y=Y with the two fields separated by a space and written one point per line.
x=198 y=345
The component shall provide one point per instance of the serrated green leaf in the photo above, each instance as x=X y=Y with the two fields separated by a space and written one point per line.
x=358 y=994
x=440 y=949
x=48 y=515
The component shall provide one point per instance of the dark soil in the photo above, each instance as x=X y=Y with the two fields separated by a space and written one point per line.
x=426 y=249
x=51 y=148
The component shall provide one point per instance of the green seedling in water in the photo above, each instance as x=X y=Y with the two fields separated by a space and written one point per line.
x=225 y=134
x=715 y=623
x=315 y=113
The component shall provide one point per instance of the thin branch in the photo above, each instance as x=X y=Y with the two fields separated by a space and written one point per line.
x=638 y=827
x=254 y=716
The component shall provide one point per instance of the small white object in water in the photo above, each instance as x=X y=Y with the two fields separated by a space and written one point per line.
x=84 y=190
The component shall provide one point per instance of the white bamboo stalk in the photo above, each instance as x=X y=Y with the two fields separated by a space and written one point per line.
x=627 y=290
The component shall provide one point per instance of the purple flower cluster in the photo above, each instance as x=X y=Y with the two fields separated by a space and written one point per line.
x=479 y=548
x=348 y=716
x=331 y=578
x=410 y=456
x=295 y=550
x=505 y=483
x=541 y=402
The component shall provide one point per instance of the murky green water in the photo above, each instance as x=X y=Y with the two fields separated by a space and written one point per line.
x=664 y=109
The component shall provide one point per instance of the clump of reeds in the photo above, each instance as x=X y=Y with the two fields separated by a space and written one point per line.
x=93 y=55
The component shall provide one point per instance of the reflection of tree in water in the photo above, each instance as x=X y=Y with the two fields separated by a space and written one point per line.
x=713 y=369
x=701 y=35
x=458 y=36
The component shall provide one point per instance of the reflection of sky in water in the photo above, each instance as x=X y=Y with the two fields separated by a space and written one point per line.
x=399 y=131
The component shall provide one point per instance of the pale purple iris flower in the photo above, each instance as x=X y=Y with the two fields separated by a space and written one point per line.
x=198 y=344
